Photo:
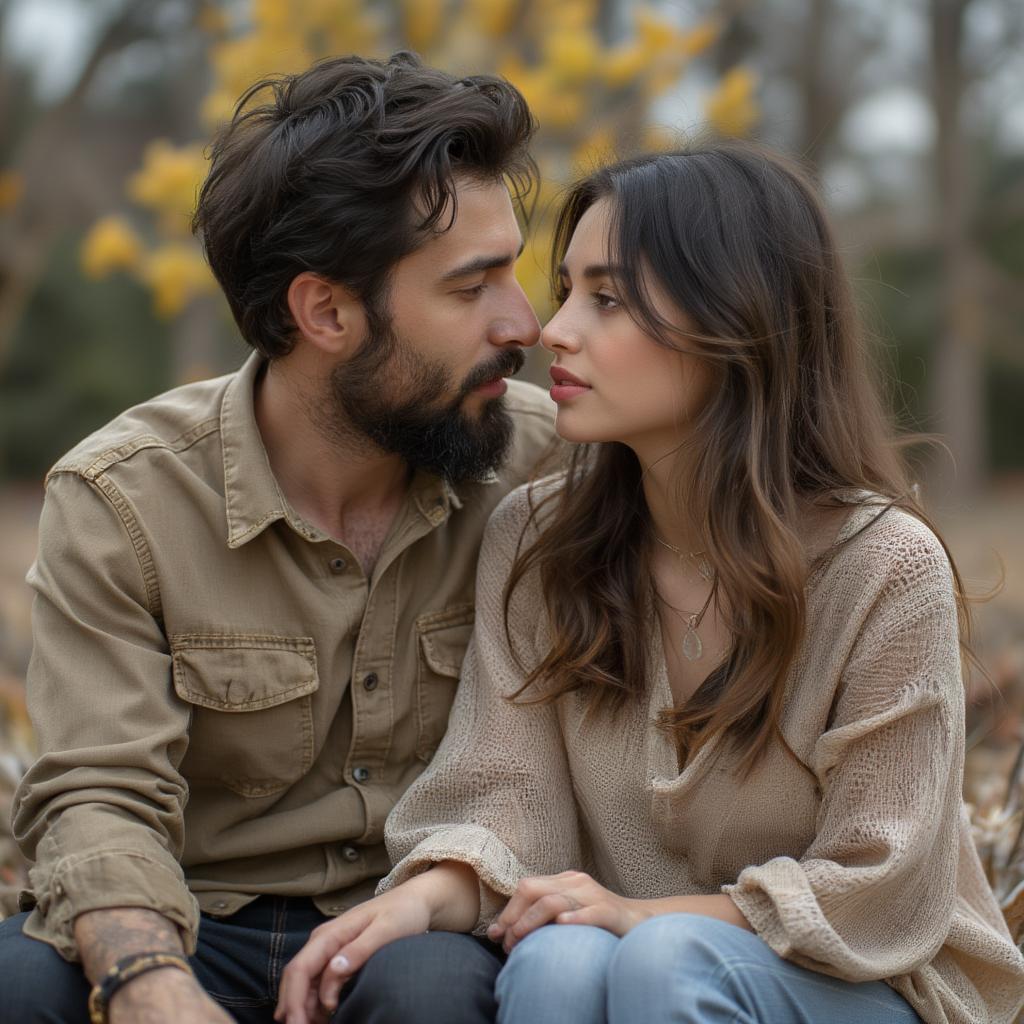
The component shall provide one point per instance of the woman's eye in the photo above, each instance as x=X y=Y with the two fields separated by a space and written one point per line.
x=605 y=301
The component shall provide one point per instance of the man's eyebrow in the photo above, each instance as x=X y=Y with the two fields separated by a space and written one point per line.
x=594 y=270
x=482 y=263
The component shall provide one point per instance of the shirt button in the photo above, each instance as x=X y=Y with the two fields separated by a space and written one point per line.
x=219 y=904
x=370 y=681
x=336 y=908
x=337 y=564
x=361 y=774
x=350 y=853
x=58 y=889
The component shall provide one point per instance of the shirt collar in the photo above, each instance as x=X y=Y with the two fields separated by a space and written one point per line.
x=252 y=498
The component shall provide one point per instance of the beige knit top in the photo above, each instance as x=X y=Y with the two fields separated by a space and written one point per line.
x=866 y=871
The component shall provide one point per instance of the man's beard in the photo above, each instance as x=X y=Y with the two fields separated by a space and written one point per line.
x=394 y=398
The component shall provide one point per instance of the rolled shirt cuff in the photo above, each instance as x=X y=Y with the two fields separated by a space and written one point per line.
x=102 y=881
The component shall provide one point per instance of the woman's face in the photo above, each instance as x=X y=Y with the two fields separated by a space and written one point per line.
x=634 y=390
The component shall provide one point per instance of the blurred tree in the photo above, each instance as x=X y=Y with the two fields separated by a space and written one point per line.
x=591 y=81
x=72 y=354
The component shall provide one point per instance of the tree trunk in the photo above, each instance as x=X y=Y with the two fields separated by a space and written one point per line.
x=958 y=384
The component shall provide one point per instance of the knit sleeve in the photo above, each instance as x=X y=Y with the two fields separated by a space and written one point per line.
x=874 y=894
x=497 y=794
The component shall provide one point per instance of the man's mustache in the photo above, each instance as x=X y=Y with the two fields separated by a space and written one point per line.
x=507 y=363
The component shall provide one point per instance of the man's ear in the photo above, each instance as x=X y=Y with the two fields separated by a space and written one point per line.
x=328 y=315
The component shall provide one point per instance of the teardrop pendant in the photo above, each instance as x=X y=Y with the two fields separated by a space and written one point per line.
x=692 y=646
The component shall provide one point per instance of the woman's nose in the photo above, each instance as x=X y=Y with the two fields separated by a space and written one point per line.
x=558 y=333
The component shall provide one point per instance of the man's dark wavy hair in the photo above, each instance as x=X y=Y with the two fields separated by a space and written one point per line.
x=346 y=169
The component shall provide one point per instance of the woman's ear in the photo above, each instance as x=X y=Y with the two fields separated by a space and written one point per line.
x=328 y=315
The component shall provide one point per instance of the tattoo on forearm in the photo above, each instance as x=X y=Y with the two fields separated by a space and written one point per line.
x=105 y=936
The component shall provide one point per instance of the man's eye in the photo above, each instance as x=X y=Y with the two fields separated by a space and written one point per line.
x=474 y=292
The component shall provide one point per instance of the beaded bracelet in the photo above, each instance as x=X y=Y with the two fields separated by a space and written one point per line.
x=122 y=972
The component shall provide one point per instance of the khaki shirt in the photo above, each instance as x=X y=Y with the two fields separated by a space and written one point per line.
x=225 y=705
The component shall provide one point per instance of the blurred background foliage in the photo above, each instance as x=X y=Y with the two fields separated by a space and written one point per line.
x=910 y=114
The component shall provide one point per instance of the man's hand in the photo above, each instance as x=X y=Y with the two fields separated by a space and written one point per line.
x=164 y=995
x=445 y=898
x=573 y=897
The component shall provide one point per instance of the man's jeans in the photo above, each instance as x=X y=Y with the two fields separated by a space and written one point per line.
x=437 y=977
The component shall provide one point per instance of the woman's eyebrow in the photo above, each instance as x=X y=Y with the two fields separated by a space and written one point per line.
x=593 y=270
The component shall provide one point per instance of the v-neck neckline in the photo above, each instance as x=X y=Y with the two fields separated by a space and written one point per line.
x=662 y=761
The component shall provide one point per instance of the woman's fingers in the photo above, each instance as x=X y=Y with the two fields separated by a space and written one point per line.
x=301 y=977
x=528 y=891
x=599 y=915
x=351 y=958
x=543 y=911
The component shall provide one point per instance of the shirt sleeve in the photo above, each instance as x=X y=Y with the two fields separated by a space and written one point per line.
x=100 y=812
x=883 y=863
x=497 y=795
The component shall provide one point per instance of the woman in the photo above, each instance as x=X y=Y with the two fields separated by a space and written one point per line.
x=705 y=762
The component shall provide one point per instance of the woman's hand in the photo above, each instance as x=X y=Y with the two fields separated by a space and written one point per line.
x=572 y=897
x=444 y=898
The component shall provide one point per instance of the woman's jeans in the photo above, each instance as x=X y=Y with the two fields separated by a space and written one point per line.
x=677 y=968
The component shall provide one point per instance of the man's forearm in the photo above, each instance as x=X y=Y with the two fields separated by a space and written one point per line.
x=105 y=936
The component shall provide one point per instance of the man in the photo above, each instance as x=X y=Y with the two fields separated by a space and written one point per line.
x=253 y=594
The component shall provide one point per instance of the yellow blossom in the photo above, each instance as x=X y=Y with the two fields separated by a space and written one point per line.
x=238 y=63
x=175 y=274
x=655 y=34
x=217 y=107
x=731 y=108
x=573 y=56
x=596 y=149
x=359 y=32
x=169 y=180
x=576 y=15
x=492 y=17
x=533 y=269
x=662 y=78
x=421 y=21
x=110 y=245
x=273 y=16
x=659 y=138
x=624 y=64
x=12 y=185
x=698 y=39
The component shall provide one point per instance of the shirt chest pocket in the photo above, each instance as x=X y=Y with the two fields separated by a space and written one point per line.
x=251 y=727
x=442 y=639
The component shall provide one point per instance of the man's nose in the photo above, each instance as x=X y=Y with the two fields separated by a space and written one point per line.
x=519 y=326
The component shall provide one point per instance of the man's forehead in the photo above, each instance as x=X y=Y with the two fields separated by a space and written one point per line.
x=483 y=215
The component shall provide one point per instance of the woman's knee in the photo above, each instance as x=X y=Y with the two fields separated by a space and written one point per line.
x=37 y=983
x=563 y=964
x=566 y=952
x=671 y=945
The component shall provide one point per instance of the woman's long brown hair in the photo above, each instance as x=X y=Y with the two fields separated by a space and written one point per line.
x=737 y=238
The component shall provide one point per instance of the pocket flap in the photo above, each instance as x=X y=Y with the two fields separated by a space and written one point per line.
x=444 y=638
x=243 y=673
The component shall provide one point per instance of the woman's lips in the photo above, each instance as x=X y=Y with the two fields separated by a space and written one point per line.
x=566 y=385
